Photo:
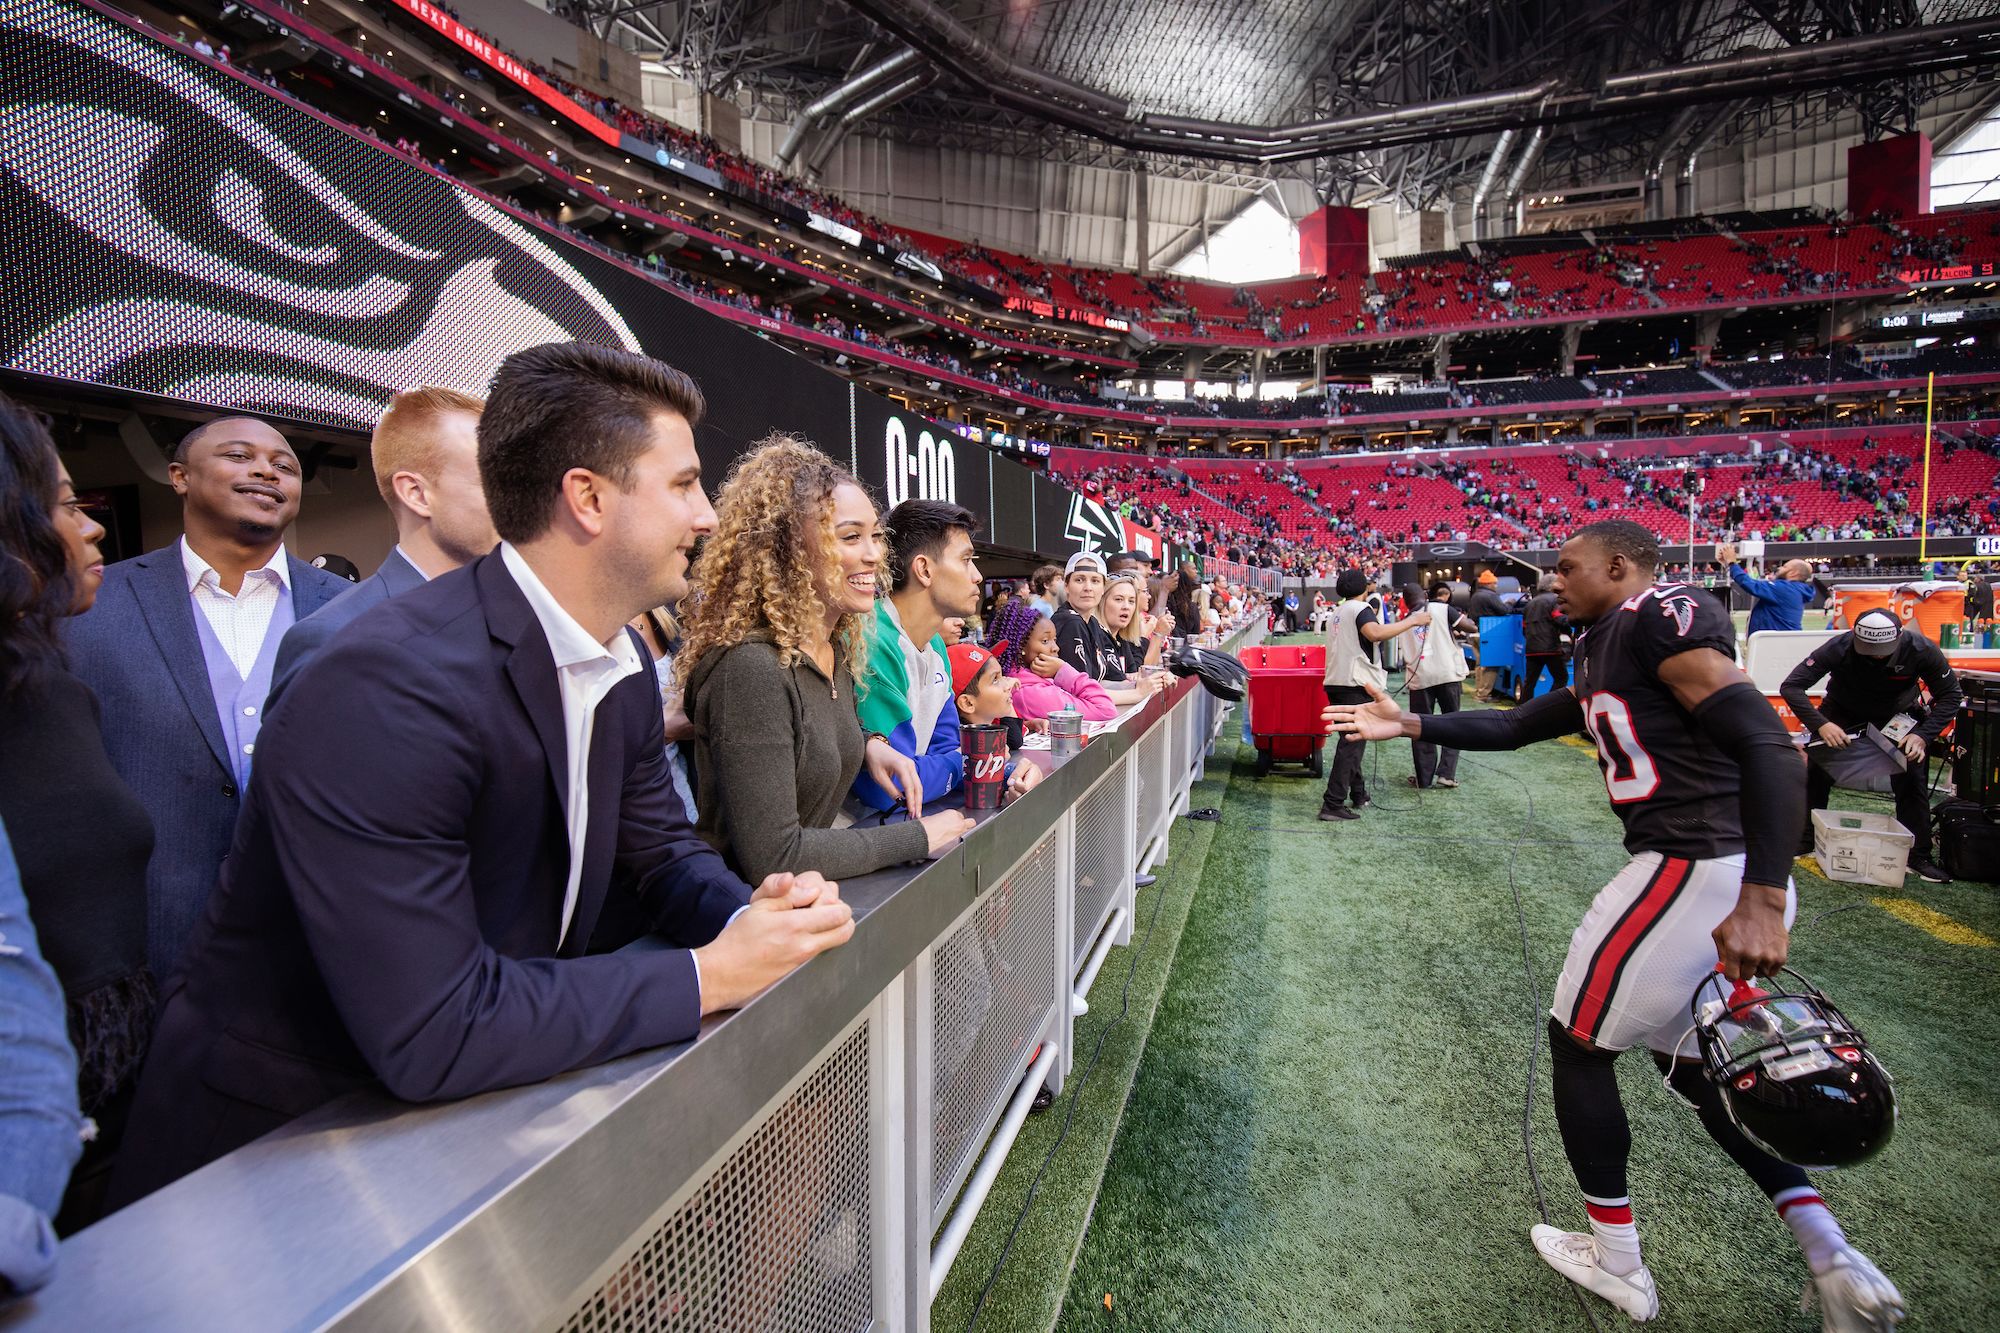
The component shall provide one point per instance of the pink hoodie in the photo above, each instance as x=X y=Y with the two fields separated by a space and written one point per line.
x=1035 y=697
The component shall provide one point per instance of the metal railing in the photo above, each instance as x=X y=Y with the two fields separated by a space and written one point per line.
x=810 y=1163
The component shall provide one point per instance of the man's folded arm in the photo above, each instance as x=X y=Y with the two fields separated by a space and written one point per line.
x=376 y=859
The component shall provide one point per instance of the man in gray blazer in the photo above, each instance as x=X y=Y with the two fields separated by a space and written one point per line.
x=426 y=455
x=180 y=650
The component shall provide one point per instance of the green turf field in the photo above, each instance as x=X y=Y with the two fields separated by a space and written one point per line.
x=1319 y=1126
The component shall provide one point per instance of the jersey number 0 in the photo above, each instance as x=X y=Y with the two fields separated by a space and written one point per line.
x=1629 y=772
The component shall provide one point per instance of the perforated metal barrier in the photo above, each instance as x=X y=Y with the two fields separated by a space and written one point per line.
x=994 y=987
x=1104 y=858
x=778 y=1238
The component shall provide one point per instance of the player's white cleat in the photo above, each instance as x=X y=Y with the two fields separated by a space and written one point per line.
x=1574 y=1255
x=1853 y=1296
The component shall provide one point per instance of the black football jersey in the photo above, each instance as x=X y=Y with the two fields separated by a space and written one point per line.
x=1676 y=793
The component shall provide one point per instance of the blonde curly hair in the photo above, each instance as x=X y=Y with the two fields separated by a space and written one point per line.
x=772 y=559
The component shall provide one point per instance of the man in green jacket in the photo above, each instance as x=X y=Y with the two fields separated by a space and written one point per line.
x=907 y=697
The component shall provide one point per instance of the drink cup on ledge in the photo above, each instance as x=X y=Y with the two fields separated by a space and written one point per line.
x=985 y=750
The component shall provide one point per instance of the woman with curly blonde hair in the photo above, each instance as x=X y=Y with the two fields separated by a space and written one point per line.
x=778 y=600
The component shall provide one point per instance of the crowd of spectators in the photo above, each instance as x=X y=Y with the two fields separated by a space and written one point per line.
x=207 y=893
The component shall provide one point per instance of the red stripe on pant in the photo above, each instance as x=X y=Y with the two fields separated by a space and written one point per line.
x=1640 y=919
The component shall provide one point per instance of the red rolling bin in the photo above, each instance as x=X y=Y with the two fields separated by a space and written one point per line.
x=1286 y=697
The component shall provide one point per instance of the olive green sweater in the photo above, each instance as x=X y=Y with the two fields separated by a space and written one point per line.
x=775 y=751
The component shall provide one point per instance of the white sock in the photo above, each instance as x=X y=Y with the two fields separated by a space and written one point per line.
x=1813 y=1224
x=1617 y=1238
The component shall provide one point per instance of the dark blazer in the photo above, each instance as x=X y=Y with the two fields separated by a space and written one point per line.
x=139 y=652
x=310 y=633
x=389 y=914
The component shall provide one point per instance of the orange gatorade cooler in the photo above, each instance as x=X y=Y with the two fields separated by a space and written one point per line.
x=1929 y=607
x=1851 y=599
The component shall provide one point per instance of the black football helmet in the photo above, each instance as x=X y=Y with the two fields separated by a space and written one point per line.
x=1794 y=1074
x=1220 y=673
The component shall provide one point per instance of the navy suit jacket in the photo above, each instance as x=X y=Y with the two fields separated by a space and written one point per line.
x=310 y=633
x=140 y=653
x=389 y=914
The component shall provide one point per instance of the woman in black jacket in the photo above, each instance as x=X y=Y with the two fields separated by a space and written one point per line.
x=80 y=836
x=1184 y=602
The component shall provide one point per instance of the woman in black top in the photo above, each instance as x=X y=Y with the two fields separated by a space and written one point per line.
x=1184 y=604
x=1084 y=642
x=80 y=836
x=1078 y=638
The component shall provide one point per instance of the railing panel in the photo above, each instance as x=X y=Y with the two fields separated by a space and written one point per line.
x=994 y=992
x=780 y=1237
x=1155 y=795
x=1102 y=867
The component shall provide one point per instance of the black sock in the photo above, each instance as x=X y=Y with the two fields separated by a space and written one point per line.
x=1598 y=1140
x=1595 y=1133
x=1690 y=1080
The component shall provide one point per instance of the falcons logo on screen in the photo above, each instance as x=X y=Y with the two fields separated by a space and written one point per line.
x=176 y=231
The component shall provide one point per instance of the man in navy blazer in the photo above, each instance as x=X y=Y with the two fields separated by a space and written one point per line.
x=454 y=789
x=425 y=450
x=180 y=650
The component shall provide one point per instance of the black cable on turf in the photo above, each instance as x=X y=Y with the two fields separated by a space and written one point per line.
x=1535 y=1023
x=1076 y=1086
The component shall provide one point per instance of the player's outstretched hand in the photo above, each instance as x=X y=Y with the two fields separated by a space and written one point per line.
x=1377 y=720
x=1751 y=941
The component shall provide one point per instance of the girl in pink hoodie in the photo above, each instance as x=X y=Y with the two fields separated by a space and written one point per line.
x=1047 y=683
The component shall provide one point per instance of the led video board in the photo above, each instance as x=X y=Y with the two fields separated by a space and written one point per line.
x=174 y=229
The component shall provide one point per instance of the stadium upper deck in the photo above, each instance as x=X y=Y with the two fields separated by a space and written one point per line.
x=599 y=168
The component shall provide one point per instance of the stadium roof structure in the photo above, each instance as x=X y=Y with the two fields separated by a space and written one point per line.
x=1367 y=100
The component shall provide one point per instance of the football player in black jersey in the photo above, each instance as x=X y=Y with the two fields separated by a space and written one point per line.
x=1712 y=794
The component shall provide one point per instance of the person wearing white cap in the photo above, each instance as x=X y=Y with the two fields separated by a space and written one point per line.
x=1083 y=641
x=1872 y=673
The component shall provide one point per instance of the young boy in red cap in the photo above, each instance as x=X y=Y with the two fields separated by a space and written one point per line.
x=985 y=696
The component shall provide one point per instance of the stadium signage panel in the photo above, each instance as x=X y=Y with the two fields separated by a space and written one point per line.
x=927 y=470
x=1986 y=545
x=1978 y=268
x=673 y=162
x=1041 y=309
x=469 y=40
x=1942 y=318
x=918 y=264
x=840 y=231
x=1093 y=525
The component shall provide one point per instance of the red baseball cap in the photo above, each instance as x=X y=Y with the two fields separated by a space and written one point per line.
x=967 y=659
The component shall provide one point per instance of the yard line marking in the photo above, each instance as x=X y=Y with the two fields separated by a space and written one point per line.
x=1579 y=742
x=1933 y=923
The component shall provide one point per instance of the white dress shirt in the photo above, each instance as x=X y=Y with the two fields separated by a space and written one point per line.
x=585 y=672
x=240 y=622
x=397 y=549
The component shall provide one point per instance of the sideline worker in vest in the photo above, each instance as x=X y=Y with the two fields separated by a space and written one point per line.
x=1872 y=673
x=1353 y=663
x=1436 y=679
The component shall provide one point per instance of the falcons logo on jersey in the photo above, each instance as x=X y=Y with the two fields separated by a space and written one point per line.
x=1679 y=608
